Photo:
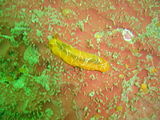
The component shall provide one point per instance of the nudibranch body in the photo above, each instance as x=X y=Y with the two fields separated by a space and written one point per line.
x=76 y=57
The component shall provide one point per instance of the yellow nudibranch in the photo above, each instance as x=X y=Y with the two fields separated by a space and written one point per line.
x=76 y=57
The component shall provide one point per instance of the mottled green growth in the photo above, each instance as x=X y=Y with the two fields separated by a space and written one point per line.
x=114 y=116
x=26 y=93
x=94 y=118
x=55 y=18
x=130 y=1
x=39 y=33
x=49 y=37
x=127 y=87
x=92 y=93
x=153 y=29
x=31 y=55
x=49 y=113
x=43 y=80
x=159 y=48
x=1 y=12
x=25 y=38
x=80 y=24
x=2 y=1
x=20 y=83
x=99 y=35
x=38 y=13
x=19 y=28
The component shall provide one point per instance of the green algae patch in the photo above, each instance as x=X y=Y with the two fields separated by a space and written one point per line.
x=4 y=47
x=19 y=28
x=26 y=92
x=153 y=29
x=92 y=93
x=43 y=80
x=39 y=33
x=20 y=83
x=31 y=55
x=49 y=112
x=127 y=87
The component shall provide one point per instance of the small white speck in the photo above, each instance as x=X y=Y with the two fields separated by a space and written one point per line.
x=128 y=36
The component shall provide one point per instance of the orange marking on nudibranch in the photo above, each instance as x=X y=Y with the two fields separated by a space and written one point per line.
x=76 y=57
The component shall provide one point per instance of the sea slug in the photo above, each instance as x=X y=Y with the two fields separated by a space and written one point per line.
x=76 y=57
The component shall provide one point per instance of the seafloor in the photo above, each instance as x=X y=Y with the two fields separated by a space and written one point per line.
x=36 y=84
